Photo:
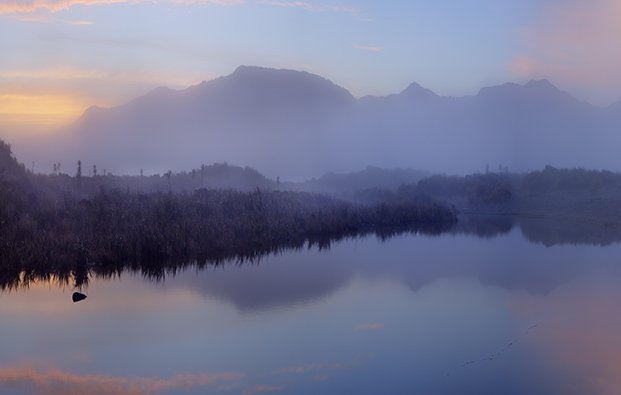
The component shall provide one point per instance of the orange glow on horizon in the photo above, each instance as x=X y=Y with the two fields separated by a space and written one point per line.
x=39 y=109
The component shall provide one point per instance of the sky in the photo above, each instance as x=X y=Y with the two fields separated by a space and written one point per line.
x=61 y=56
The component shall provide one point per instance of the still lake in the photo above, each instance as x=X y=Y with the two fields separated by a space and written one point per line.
x=490 y=307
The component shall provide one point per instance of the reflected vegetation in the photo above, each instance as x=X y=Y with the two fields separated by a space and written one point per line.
x=539 y=229
x=551 y=232
x=75 y=271
x=484 y=226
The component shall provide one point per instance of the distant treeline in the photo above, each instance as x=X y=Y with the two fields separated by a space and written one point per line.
x=552 y=179
x=87 y=181
x=502 y=187
x=593 y=195
x=51 y=229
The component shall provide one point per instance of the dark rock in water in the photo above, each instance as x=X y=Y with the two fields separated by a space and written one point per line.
x=77 y=296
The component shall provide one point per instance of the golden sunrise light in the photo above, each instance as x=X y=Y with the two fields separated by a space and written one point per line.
x=39 y=109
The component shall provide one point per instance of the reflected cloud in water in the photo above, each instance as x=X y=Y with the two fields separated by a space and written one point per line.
x=581 y=334
x=30 y=380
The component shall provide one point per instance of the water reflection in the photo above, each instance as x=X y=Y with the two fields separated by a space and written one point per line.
x=450 y=313
x=78 y=270
x=563 y=231
x=52 y=381
x=546 y=231
x=508 y=263
x=484 y=226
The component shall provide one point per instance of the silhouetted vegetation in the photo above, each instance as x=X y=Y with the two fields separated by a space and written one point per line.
x=215 y=176
x=577 y=194
x=478 y=188
x=51 y=229
x=370 y=178
x=552 y=179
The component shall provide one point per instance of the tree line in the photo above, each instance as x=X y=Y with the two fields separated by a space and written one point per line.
x=50 y=231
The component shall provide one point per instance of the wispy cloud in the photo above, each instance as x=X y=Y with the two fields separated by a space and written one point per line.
x=211 y=2
x=79 y=23
x=312 y=7
x=39 y=10
x=39 y=18
x=57 y=382
x=289 y=4
x=25 y=7
x=33 y=6
x=369 y=48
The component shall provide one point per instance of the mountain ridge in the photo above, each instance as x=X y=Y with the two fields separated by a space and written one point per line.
x=296 y=124
x=414 y=90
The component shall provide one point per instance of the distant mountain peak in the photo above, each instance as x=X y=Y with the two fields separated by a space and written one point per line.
x=506 y=88
x=416 y=91
x=543 y=85
x=544 y=82
x=285 y=85
x=269 y=74
x=160 y=90
x=532 y=91
x=244 y=67
x=247 y=69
